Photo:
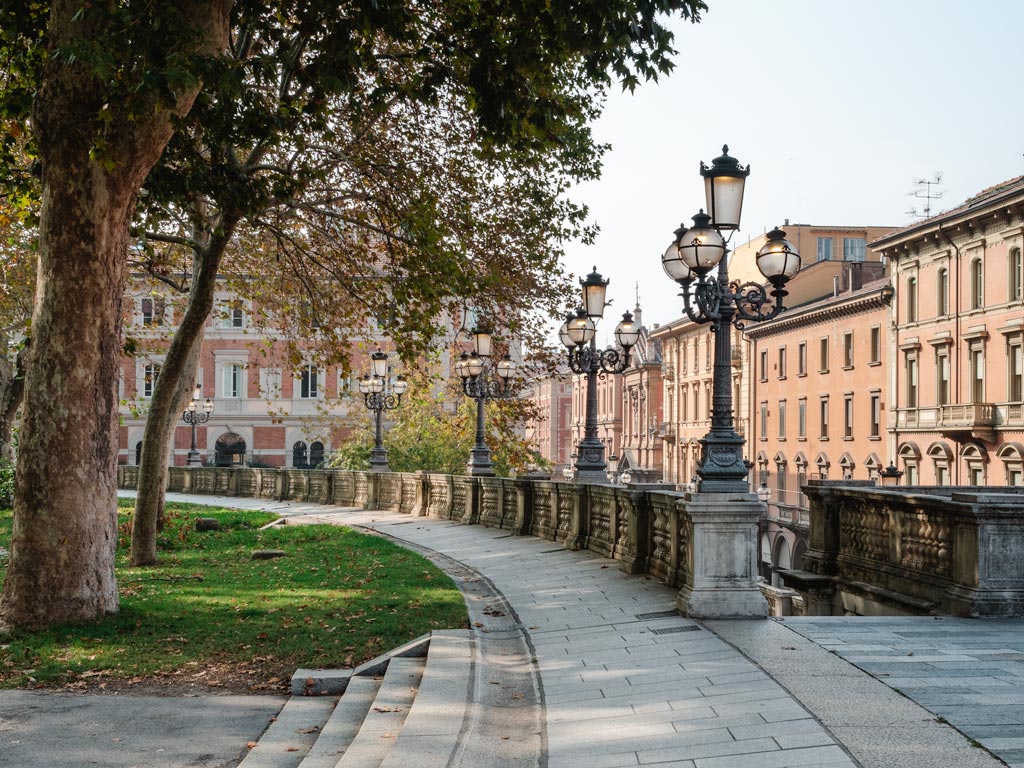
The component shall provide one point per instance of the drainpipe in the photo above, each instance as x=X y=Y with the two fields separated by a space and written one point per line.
x=956 y=346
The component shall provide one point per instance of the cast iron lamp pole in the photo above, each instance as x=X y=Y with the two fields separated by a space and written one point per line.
x=379 y=395
x=710 y=297
x=578 y=334
x=194 y=416
x=477 y=383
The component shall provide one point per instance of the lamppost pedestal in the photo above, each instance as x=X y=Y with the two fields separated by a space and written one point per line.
x=723 y=557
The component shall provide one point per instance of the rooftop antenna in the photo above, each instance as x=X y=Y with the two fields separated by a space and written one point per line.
x=925 y=192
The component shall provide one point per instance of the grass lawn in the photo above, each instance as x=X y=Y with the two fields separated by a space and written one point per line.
x=208 y=615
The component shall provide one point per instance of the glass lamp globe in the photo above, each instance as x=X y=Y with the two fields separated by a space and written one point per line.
x=701 y=247
x=506 y=367
x=474 y=365
x=778 y=259
x=627 y=332
x=400 y=386
x=724 y=183
x=672 y=260
x=581 y=328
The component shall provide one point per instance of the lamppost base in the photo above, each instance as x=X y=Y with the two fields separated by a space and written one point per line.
x=722 y=469
x=591 y=466
x=379 y=460
x=194 y=460
x=722 y=582
x=480 y=464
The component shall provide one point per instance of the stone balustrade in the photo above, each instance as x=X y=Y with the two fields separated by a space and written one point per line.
x=702 y=544
x=957 y=550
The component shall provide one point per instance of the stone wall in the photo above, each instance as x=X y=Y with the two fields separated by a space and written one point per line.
x=957 y=550
x=644 y=529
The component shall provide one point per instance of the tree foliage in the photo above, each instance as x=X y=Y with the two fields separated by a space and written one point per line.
x=434 y=430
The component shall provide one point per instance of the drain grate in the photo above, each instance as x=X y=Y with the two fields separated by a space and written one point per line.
x=674 y=630
x=657 y=615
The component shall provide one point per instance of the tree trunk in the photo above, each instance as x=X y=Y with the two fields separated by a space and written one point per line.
x=173 y=388
x=12 y=391
x=64 y=536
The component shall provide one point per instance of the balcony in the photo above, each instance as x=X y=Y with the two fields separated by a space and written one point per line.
x=667 y=431
x=977 y=420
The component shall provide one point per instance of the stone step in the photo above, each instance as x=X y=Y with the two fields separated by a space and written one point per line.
x=384 y=720
x=292 y=733
x=431 y=732
x=341 y=728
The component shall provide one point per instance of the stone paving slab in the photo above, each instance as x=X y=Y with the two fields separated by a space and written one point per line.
x=619 y=694
x=970 y=672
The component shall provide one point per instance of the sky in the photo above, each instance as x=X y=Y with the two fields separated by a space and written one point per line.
x=838 y=107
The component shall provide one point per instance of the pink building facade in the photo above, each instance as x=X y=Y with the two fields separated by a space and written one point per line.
x=957 y=367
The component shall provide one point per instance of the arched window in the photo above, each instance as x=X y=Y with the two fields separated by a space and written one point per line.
x=823 y=464
x=1012 y=455
x=316 y=454
x=910 y=455
x=976 y=459
x=299 y=456
x=942 y=457
x=847 y=465
x=977 y=285
x=1016 y=276
x=873 y=465
x=942 y=293
x=911 y=299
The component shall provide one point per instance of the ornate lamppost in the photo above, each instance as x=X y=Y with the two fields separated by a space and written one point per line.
x=482 y=384
x=697 y=260
x=380 y=394
x=578 y=334
x=194 y=416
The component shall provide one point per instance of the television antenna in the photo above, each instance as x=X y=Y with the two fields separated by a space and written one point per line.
x=925 y=192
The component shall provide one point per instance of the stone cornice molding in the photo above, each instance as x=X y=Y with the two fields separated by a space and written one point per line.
x=842 y=307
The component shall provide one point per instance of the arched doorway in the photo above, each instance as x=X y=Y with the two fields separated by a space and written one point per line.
x=300 y=456
x=230 y=450
x=316 y=454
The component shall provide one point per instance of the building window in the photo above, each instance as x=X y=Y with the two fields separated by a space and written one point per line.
x=848 y=349
x=853 y=248
x=911 y=299
x=1016 y=276
x=232 y=315
x=309 y=380
x=707 y=357
x=682 y=405
x=696 y=356
x=300 y=456
x=782 y=419
x=823 y=411
x=876 y=414
x=150 y=373
x=976 y=358
x=801 y=359
x=942 y=377
x=977 y=285
x=764 y=421
x=848 y=417
x=910 y=366
x=823 y=355
x=782 y=362
x=801 y=418
x=232 y=381
x=1015 y=361
x=941 y=474
x=824 y=249
x=942 y=293
x=876 y=344
x=153 y=309
x=764 y=365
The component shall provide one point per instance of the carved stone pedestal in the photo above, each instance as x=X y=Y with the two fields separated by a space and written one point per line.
x=721 y=568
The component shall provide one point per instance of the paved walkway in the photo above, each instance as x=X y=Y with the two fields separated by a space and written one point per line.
x=628 y=682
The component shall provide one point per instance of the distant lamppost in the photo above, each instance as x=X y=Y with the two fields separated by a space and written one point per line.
x=890 y=475
x=579 y=335
x=194 y=416
x=481 y=382
x=380 y=394
x=710 y=297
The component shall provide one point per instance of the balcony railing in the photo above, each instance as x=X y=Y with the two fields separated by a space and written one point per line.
x=977 y=418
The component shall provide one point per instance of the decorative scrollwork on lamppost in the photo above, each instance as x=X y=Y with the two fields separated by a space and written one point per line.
x=578 y=335
x=481 y=383
x=193 y=416
x=710 y=297
x=380 y=394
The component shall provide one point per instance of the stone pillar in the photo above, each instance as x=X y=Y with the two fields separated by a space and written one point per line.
x=721 y=564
